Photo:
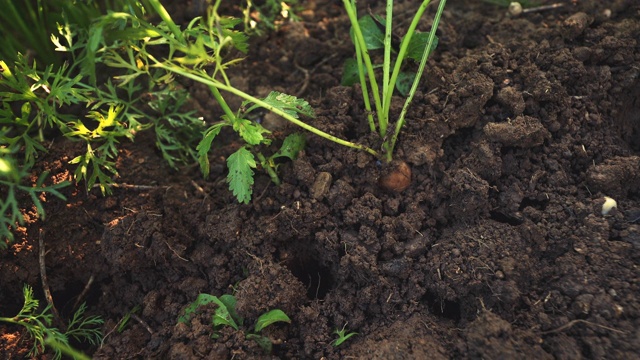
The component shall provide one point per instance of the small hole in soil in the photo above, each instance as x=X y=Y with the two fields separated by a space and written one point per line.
x=534 y=203
x=456 y=145
x=505 y=218
x=317 y=279
x=66 y=298
x=444 y=308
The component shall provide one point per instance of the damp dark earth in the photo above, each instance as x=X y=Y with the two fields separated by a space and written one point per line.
x=499 y=247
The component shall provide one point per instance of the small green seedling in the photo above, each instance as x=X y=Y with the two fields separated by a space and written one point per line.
x=343 y=336
x=266 y=319
x=39 y=327
x=122 y=324
x=225 y=315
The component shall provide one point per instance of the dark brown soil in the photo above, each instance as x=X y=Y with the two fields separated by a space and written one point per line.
x=497 y=250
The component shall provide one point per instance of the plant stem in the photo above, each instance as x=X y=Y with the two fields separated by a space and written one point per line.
x=296 y=121
x=205 y=79
x=414 y=86
x=387 y=90
x=365 y=90
x=402 y=53
x=65 y=349
x=359 y=42
x=223 y=104
x=164 y=15
x=266 y=166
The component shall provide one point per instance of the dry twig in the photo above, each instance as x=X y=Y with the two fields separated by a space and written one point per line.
x=43 y=276
x=577 y=321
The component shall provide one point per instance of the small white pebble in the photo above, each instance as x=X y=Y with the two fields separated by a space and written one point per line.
x=609 y=204
x=515 y=9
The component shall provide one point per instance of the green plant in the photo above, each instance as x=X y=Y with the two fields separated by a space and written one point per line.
x=343 y=336
x=38 y=325
x=269 y=15
x=122 y=324
x=200 y=52
x=372 y=39
x=12 y=178
x=225 y=315
x=35 y=108
x=30 y=101
x=28 y=25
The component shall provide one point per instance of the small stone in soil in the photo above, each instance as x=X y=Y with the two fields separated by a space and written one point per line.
x=321 y=185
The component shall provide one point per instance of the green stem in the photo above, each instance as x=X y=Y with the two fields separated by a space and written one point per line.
x=164 y=15
x=65 y=349
x=402 y=53
x=225 y=107
x=359 y=42
x=365 y=90
x=386 y=64
x=265 y=165
x=220 y=86
x=178 y=34
x=414 y=86
x=296 y=121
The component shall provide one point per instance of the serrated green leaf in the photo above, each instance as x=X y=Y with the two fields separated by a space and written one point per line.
x=291 y=146
x=289 y=104
x=239 y=39
x=224 y=315
x=268 y=318
x=418 y=43
x=250 y=131
x=201 y=300
x=240 y=176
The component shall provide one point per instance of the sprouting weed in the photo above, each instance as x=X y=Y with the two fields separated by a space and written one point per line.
x=226 y=315
x=343 y=336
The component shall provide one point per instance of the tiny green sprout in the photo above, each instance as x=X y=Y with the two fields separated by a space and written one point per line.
x=265 y=320
x=122 y=324
x=225 y=315
x=343 y=336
